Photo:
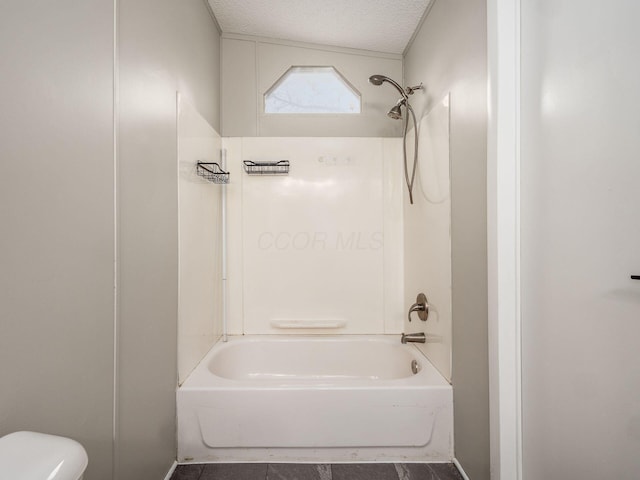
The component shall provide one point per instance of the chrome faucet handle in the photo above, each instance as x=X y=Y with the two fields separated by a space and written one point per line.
x=421 y=306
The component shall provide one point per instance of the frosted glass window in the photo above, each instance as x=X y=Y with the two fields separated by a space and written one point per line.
x=312 y=90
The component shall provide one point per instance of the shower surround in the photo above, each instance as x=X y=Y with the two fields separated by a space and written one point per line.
x=314 y=369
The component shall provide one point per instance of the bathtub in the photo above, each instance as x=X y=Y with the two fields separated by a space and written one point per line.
x=314 y=398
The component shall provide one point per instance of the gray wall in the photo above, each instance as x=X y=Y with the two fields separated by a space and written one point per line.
x=250 y=66
x=164 y=46
x=57 y=212
x=449 y=55
x=56 y=215
x=580 y=239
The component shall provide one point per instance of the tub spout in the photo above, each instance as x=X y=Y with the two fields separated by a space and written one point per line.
x=413 y=338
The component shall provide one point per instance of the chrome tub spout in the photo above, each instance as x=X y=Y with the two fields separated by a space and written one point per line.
x=413 y=338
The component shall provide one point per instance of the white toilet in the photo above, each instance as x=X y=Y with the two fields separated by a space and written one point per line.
x=38 y=456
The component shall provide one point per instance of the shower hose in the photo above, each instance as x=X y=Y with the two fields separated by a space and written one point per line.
x=408 y=180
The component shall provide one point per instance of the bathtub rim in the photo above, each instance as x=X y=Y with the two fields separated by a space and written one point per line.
x=201 y=378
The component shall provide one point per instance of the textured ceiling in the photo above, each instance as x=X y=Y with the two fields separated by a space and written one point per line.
x=378 y=25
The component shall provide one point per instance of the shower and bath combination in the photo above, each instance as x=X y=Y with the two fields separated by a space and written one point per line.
x=396 y=114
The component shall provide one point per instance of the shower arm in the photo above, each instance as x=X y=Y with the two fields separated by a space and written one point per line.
x=380 y=79
x=411 y=90
x=406 y=90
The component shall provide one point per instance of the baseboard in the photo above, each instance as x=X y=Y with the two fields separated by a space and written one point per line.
x=171 y=470
x=460 y=469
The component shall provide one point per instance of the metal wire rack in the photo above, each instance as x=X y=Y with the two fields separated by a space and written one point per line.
x=266 y=168
x=212 y=172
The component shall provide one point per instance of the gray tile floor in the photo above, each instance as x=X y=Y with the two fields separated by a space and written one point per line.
x=298 y=471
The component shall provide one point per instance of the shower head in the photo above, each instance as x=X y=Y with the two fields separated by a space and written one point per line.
x=377 y=79
x=396 y=114
x=380 y=79
x=396 y=110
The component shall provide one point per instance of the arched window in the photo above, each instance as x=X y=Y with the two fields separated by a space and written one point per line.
x=312 y=90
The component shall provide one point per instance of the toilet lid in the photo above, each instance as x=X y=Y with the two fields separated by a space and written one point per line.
x=31 y=456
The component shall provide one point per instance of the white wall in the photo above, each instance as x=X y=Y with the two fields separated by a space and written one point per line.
x=250 y=66
x=580 y=237
x=449 y=54
x=199 y=240
x=323 y=243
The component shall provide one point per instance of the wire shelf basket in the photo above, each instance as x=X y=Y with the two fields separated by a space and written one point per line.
x=212 y=172
x=266 y=168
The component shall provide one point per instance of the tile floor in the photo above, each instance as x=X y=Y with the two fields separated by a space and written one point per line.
x=298 y=471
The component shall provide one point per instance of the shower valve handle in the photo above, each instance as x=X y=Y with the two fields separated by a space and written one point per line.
x=421 y=306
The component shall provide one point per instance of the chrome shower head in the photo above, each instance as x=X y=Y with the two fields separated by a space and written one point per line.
x=396 y=110
x=380 y=79
x=396 y=114
x=377 y=79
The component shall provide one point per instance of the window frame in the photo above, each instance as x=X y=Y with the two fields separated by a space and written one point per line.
x=284 y=76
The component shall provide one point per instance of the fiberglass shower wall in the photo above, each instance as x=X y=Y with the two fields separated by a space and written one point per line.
x=320 y=249
x=199 y=240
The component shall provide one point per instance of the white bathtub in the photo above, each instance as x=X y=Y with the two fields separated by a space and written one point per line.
x=320 y=398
